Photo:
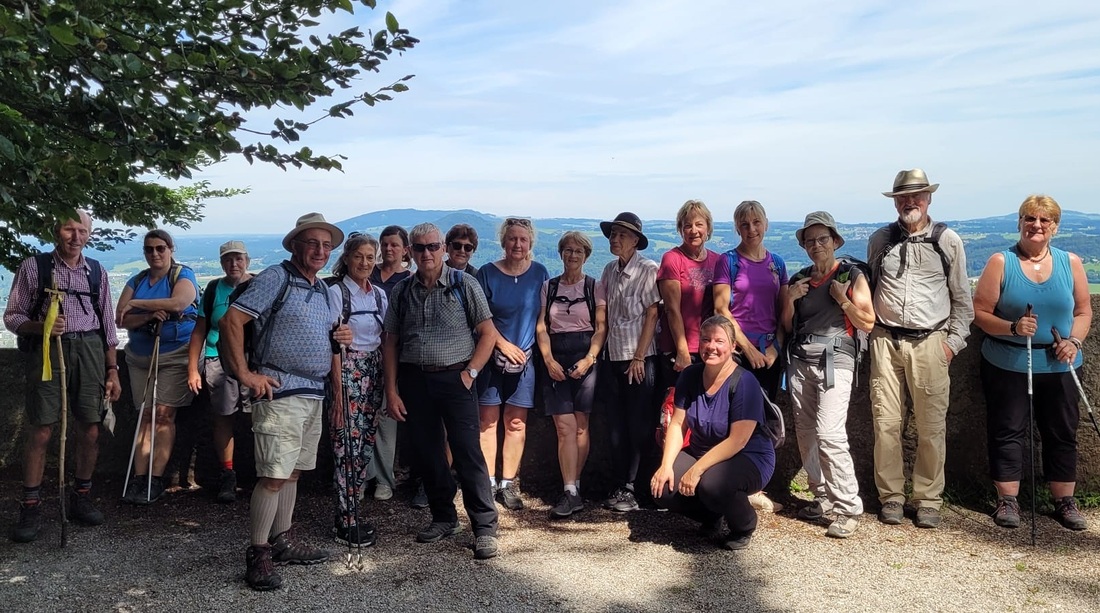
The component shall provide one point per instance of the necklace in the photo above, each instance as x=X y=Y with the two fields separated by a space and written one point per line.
x=1037 y=264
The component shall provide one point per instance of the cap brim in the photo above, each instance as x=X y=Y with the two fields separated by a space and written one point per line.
x=605 y=227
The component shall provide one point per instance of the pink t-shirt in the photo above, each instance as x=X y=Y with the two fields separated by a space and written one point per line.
x=754 y=293
x=566 y=317
x=696 y=295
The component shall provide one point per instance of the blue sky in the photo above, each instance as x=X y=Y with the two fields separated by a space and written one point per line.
x=590 y=108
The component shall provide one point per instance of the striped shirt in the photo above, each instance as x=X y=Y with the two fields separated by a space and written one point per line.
x=630 y=292
x=78 y=310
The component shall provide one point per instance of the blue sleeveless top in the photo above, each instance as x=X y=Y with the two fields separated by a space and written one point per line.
x=1052 y=303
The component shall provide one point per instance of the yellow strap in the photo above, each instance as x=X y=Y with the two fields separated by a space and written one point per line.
x=47 y=325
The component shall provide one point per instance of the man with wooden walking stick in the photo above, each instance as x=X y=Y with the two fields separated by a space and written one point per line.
x=87 y=343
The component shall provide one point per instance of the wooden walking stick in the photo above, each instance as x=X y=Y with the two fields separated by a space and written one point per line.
x=64 y=438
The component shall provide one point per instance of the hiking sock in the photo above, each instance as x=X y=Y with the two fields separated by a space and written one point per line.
x=265 y=504
x=493 y=483
x=571 y=489
x=82 y=486
x=284 y=517
x=227 y=465
x=505 y=483
x=32 y=495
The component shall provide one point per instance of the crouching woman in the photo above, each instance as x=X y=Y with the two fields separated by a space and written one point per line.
x=728 y=455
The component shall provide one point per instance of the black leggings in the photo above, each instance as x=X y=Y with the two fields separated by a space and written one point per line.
x=722 y=491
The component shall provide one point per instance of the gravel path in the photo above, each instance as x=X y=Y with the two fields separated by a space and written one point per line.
x=187 y=554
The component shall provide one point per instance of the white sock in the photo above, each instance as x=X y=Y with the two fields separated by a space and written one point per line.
x=493 y=482
x=571 y=489
x=505 y=483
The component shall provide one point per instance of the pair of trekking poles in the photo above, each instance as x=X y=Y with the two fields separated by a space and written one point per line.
x=151 y=381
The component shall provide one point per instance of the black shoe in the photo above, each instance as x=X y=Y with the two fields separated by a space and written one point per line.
x=568 y=505
x=420 y=498
x=485 y=547
x=227 y=490
x=737 y=542
x=928 y=517
x=625 y=502
x=892 y=513
x=261 y=575
x=509 y=497
x=30 y=521
x=1066 y=512
x=362 y=534
x=285 y=551
x=82 y=510
x=712 y=530
x=438 y=531
x=154 y=490
x=1007 y=514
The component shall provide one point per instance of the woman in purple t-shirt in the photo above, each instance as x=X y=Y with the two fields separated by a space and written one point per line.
x=728 y=456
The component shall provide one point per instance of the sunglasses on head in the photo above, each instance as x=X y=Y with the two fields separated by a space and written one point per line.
x=467 y=247
x=421 y=247
x=156 y=248
x=517 y=221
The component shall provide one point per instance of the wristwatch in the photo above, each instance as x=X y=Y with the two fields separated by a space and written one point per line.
x=472 y=372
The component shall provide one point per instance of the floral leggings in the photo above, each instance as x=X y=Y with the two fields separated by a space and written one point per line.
x=352 y=445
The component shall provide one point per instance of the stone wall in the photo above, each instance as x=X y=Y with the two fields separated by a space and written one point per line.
x=967 y=470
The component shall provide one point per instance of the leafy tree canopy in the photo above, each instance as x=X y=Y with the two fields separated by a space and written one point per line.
x=101 y=99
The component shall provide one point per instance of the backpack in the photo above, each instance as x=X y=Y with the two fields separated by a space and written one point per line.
x=860 y=342
x=44 y=263
x=589 y=298
x=774 y=427
x=208 y=295
x=455 y=290
x=256 y=344
x=173 y=277
x=897 y=238
x=345 y=305
x=735 y=266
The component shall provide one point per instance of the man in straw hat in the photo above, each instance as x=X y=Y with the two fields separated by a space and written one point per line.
x=923 y=312
x=87 y=331
x=294 y=331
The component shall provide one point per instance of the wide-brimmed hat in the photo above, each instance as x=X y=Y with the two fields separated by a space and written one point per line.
x=232 y=247
x=631 y=222
x=310 y=221
x=820 y=218
x=911 y=182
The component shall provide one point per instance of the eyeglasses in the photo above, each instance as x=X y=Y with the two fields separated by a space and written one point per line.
x=315 y=245
x=156 y=248
x=459 y=246
x=821 y=240
x=518 y=221
x=568 y=251
x=420 y=247
x=1045 y=222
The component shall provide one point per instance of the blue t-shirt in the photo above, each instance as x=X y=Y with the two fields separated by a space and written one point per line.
x=514 y=301
x=709 y=417
x=221 y=305
x=1052 y=303
x=299 y=341
x=174 y=333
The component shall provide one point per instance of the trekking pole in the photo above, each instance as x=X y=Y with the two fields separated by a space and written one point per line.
x=355 y=553
x=137 y=433
x=154 y=366
x=61 y=451
x=1031 y=427
x=1077 y=382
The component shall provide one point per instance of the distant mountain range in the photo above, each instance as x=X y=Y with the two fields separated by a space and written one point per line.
x=1078 y=232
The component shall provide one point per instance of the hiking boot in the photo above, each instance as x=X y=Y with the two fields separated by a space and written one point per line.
x=761 y=502
x=420 y=498
x=737 y=542
x=712 y=530
x=843 y=526
x=1066 y=512
x=362 y=534
x=132 y=488
x=385 y=492
x=622 y=501
x=284 y=551
x=82 y=510
x=892 y=513
x=147 y=493
x=227 y=489
x=928 y=517
x=1007 y=514
x=30 y=520
x=485 y=547
x=261 y=575
x=509 y=497
x=568 y=505
x=437 y=531
x=815 y=511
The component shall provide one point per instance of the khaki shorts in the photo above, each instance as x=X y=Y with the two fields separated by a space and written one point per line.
x=171 y=379
x=286 y=431
x=85 y=385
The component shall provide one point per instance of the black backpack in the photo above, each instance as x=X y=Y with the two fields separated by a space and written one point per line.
x=898 y=237
x=774 y=427
x=589 y=298
x=345 y=305
x=44 y=263
x=860 y=343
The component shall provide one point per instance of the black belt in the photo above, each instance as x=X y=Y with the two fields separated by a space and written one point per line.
x=455 y=366
x=68 y=336
x=1020 y=345
x=907 y=333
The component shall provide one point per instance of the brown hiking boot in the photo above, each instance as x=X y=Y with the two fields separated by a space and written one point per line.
x=261 y=575
x=1066 y=512
x=285 y=551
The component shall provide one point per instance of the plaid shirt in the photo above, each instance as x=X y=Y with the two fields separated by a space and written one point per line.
x=630 y=292
x=79 y=314
x=431 y=326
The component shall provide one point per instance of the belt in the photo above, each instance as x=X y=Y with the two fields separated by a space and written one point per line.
x=909 y=333
x=68 y=336
x=1022 y=345
x=456 y=366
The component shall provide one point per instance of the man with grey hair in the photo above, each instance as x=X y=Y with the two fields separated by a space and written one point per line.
x=923 y=311
x=431 y=359
x=87 y=331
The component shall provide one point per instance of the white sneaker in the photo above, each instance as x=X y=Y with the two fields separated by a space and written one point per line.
x=761 y=502
x=383 y=492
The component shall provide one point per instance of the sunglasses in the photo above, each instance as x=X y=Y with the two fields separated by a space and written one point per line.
x=156 y=248
x=518 y=221
x=467 y=247
x=821 y=240
x=421 y=247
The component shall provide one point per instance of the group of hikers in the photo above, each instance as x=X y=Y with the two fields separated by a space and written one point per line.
x=696 y=346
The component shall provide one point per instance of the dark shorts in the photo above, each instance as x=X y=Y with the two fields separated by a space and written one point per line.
x=571 y=395
x=226 y=395
x=85 y=381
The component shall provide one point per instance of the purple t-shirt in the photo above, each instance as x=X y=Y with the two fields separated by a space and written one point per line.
x=753 y=294
x=696 y=295
x=709 y=417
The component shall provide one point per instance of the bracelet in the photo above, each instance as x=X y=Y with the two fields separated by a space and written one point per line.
x=592 y=357
x=112 y=367
x=1076 y=342
x=1012 y=328
x=637 y=359
x=847 y=303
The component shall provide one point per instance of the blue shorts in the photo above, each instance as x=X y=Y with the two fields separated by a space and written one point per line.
x=495 y=388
